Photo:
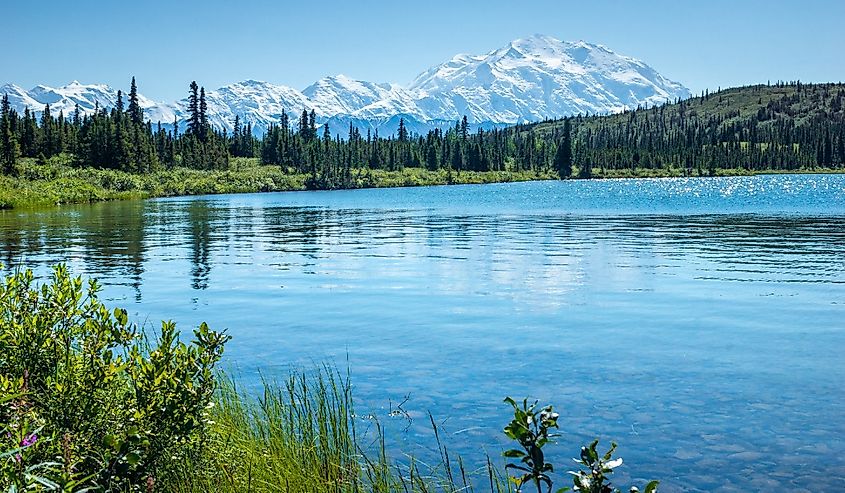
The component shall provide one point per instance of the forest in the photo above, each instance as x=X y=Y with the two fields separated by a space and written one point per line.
x=772 y=127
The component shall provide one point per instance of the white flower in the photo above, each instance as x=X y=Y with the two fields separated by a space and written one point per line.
x=613 y=464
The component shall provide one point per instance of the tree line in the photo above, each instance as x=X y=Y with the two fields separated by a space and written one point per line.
x=116 y=138
x=785 y=126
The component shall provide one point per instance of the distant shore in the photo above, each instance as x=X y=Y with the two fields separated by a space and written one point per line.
x=57 y=183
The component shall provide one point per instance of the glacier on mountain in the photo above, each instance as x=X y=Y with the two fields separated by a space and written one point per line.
x=527 y=80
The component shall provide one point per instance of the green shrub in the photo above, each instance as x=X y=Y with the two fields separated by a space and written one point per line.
x=531 y=429
x=87 y=399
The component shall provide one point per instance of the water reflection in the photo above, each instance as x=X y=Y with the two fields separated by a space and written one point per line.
x=199 y=224
x=696 y=340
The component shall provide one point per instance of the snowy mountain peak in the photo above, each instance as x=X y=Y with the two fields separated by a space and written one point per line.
x=527 y=79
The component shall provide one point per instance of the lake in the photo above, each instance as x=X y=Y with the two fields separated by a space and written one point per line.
x=700 y=323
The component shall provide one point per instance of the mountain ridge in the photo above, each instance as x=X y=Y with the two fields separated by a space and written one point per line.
x=529 y=79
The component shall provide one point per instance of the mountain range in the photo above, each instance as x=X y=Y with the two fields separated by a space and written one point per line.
x=529 y=79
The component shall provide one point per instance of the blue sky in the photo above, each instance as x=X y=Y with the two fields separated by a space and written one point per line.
x=166 y=44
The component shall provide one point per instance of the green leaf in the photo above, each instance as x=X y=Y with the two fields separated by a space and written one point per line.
x=651 y=487
x=133 y=458
x=514 y=453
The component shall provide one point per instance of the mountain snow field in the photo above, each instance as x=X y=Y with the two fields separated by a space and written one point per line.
x=529 y=79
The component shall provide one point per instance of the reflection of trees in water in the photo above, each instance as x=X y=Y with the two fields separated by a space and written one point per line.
x=302 y=230
x=111 y=240
x=199 y=228
x=108 y=239
x=740 y=238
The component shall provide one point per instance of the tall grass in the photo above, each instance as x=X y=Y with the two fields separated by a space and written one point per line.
x=302 y=436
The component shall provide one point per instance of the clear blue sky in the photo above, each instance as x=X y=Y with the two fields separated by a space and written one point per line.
x=166 y=44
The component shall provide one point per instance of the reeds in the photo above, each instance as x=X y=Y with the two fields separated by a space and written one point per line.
x=301 y=436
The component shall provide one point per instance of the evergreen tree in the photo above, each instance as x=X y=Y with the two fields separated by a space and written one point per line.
x=304 y=128
x=563 y=157
x=194 y=110
x=8 y=140
x=46 y=145
x=403 y=132
x=203 y=116
x=136 y=114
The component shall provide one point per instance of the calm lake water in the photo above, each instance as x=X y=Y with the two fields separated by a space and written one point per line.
x=700 y=323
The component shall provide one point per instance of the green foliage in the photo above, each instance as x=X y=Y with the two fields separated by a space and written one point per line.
x=781 y=127
x=598 y=467
x=93 y=402
x=530 y=428
x=58 y=182
x=563 y=156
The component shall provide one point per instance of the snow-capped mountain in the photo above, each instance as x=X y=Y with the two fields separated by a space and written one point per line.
x=540 y=77
x=527 y=80
x=88 y=97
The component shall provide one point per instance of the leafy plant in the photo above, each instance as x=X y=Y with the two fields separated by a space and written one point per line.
x=531 y=429
x=94 y=403
x=595 y=478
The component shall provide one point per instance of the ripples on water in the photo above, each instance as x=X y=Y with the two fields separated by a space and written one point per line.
x=699 y=323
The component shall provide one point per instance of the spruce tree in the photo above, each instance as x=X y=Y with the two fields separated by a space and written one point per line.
x=403 y=131
x=194 y=110
x=303 y=125
x=46 y=146
x=8 y=141
x=236 y=136
x=563 y=156
x=203 y=116
x=136 y=114
x=312 y=124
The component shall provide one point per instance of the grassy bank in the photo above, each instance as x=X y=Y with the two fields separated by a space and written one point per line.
x=57 y=182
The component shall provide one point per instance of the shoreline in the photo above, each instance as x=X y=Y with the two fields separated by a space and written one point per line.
x=40 y=186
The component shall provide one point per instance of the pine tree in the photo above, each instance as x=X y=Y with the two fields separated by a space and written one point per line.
x=303 y=125
x=119 y=105
x=563 y=156
x=312 y=124
x=136 y=114
x=403 y=131
x=46 y=145
x=8 y=141
x=203 y=116
x=194 y=110
x=235 y=148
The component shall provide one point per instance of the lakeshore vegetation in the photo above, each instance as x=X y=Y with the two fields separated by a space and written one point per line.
x=116 y=153
x=89 y=402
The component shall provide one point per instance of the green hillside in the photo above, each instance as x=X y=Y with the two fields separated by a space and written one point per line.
x=748 y=129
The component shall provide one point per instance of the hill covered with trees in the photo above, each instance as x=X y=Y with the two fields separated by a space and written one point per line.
x=780 y=127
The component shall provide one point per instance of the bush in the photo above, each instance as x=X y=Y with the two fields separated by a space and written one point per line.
x=87 y=400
